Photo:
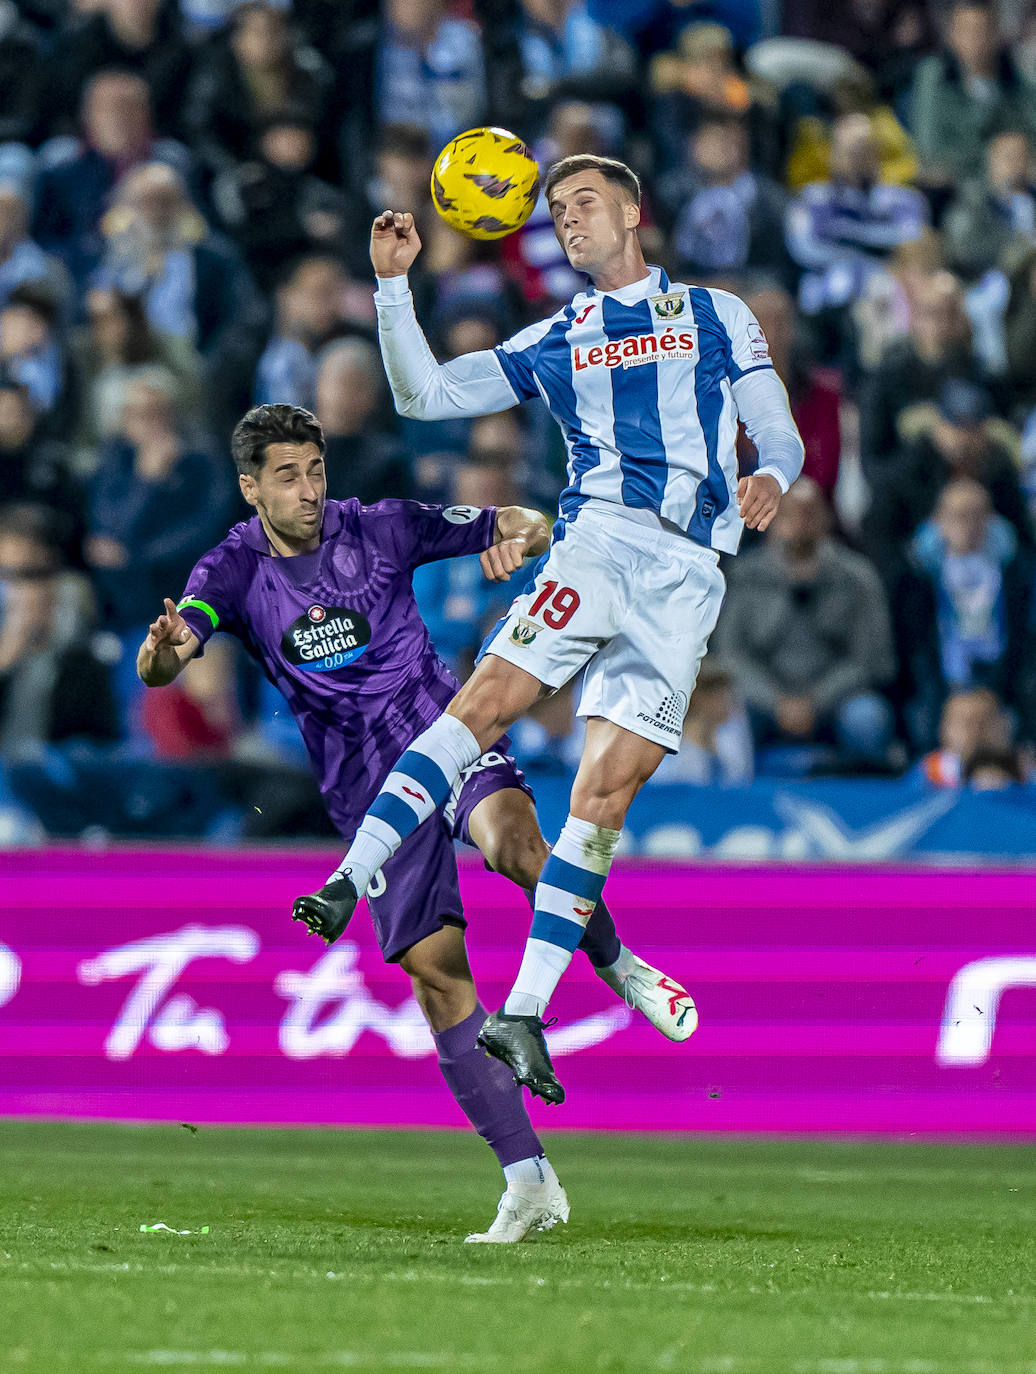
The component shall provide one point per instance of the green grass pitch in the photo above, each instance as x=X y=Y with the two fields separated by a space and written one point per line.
x=342 y=1250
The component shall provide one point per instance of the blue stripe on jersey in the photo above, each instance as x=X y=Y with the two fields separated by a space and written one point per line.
x=582 y=454
x=714 y=361
x=570 y=505
x=736 y=373
x=518 y=373
x=637 y=424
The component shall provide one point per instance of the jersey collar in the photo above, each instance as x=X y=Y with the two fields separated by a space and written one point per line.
x=254 y=535
x=655 y=281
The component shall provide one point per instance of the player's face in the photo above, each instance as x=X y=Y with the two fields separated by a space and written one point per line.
x=289 y=492
x=592 y=219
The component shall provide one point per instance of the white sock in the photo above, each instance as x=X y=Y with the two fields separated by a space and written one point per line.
x=440 y=753
x=566 y=894
x=541 y=968
x=366 y=855
x=529 y=1173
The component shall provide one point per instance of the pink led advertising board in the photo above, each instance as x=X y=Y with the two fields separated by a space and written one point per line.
x=171 y=985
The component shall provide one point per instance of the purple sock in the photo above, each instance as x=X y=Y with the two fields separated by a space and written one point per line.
x=486 y=1092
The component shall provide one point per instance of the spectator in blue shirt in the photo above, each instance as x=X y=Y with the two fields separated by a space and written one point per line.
x=77 y=177
x=430 y=69
x=22 y=260
x=316 y=303
x=159 y=496
x=964 y=610
x=840 y=230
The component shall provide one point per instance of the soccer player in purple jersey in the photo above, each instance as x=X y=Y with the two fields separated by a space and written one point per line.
x=319 y=592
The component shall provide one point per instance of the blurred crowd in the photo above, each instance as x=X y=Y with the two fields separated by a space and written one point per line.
x=185 y=195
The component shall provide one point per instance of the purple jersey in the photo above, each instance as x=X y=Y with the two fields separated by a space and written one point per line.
x=338 y=631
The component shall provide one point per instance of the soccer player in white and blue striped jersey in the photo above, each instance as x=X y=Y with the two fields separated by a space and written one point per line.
x=647 y=379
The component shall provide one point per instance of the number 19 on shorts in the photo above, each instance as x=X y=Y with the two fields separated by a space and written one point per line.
x=558 y=605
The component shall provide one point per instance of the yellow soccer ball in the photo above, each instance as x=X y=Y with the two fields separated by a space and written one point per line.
x=485 y=183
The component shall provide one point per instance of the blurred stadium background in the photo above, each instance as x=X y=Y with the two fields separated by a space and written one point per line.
x=840 y=858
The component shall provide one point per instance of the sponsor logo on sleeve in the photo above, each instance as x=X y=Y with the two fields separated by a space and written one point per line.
x=326 y=638
x=461 y=515
x=760 y=349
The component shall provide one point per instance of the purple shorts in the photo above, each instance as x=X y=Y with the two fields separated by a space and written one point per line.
x=417 y=891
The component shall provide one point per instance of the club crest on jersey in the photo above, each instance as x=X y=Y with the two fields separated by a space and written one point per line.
x=669 y=305
x=524 y=632
x=637 y=349
x=326 y=638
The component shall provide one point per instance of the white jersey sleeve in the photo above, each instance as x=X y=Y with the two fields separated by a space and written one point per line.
x=749 y=351
x=423 y=389
x=762 y=405
x=760 y=396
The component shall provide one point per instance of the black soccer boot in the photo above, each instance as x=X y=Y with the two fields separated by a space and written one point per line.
x=329 y=911
x=518 y=1042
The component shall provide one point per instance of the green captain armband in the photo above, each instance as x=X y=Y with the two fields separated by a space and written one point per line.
x=202 y=606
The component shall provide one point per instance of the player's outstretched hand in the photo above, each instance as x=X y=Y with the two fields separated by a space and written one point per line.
x=758 y=497
x=170 y=628
x=501 y=560
x=394 y=243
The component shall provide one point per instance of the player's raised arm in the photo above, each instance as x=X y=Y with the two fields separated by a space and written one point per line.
x=520 y=533
x=473 y=384
x=395 y=243
x=168 y=648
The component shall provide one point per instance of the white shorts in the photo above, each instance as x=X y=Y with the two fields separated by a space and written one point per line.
x=635 y=605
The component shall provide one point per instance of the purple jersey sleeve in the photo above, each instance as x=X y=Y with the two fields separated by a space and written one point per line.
x=412 y=533
x=209 y=601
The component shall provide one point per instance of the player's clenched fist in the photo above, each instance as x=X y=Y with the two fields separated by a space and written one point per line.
x=395 y=243
x=501 y=560
x=169 y=628
x=758 y=497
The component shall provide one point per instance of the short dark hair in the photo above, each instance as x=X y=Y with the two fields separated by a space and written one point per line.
x=609 y=167
x=265 y=425
x=955 y=5
x=1004 y=760
x=29 y=521
x=405 y=140
x=36 y=297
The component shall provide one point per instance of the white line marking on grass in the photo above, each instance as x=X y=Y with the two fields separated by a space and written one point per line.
x=326 y=1359
x=451 y=1360
x=205 y=1268
x=906 y=1364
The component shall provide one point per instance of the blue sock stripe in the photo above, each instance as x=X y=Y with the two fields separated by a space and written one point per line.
x=555 y=930
x=581 y=882
x=387 y=807
x=426 y=773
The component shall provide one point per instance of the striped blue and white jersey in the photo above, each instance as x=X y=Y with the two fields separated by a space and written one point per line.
x=647 y=383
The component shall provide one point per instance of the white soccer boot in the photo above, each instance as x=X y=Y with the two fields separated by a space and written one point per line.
x=522 y=1212
x=667 y=1005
